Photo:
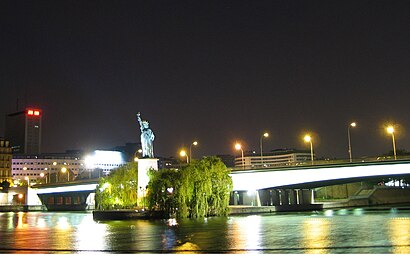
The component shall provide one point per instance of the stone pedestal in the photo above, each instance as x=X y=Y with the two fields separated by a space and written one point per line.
x=144 y=165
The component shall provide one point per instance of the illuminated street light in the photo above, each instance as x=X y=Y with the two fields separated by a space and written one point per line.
x=348 y=138
x=238 y=146
x=260 y=143
x=65 y=170
x=308 y=139
x=390 y=130
x=28 y=180
x=139 y=151
x=184 y=154
x=190 y=150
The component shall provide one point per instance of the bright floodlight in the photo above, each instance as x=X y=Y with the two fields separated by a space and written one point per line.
x=390 y=129
x=307 y=138
x=195 y=143
x=99 y=158
x=265 y=134
x=63 y=169
x=353 y=124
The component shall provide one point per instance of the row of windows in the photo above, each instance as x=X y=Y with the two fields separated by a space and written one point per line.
x=45 y=163
x=64 y=200
x=41 y=169
x=27 y=174
x=4 y=143
x=4 y=173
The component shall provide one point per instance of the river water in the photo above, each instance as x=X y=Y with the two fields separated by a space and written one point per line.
x=354 y=231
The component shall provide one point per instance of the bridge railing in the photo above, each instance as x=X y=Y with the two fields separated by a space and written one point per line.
x=320 y=162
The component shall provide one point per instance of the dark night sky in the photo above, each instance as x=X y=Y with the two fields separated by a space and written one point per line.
x=215 y=71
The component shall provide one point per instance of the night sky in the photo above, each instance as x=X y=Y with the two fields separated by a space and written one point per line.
x=212 y=71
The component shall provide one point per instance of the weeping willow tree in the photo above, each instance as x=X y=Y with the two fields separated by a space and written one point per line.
x=119 y=189
x=160 y=191
x=198 y=190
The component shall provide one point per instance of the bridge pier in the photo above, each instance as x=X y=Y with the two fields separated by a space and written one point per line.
x=277 y=197
x=272 y=197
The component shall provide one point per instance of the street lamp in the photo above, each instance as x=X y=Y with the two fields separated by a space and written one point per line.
x=190 y=150
x=28 y=180
x=238 y=146
x=260 y=143
x=184 y=154
x=348 y=138
x=390 y=130
x=139 y=151
x=65 y=170
x=308 y=139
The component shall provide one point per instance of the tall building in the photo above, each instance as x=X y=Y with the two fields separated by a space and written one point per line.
x=23 y=130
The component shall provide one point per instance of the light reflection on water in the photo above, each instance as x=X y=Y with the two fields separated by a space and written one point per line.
x=338 y=231
x=316 y=235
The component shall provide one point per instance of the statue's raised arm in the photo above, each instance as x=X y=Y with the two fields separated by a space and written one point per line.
x=139 y=119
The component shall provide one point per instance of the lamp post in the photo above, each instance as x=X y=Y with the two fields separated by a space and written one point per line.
x=348 y=138
x=238 y=146
x=308 y=139
x=42 y=176
x=28 y=180
x=390 y=130
x=184 y=154
x=136 y=156
x=260 y=144
x=65 y=170
x=190 y=150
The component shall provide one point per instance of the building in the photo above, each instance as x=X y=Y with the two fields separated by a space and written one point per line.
x=23 y=131
x=275 y=158
x=62 y=167
x=5 y=160
x=46 y=168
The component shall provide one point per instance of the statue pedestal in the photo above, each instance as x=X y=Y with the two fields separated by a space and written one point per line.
x=144 y=165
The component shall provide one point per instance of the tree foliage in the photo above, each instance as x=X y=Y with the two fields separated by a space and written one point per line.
x=119 y=190
x=4 y=186
x=200 y=189
x=160 y=191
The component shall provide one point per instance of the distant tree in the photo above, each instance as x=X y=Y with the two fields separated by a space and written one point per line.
x=4 y=186
x=119 y=189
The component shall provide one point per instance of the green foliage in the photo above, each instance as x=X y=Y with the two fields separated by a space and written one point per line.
x=119 y=190
x=200 y=189
x=160 y=191
x=4 y=186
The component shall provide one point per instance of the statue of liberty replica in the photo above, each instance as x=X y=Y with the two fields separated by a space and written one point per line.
x=147 y=138
x=148 y=162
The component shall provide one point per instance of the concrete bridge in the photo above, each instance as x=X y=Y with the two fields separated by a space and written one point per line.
x=293 y=185
x=284 y=186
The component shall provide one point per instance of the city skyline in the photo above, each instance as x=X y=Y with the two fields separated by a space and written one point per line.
x=215 y=72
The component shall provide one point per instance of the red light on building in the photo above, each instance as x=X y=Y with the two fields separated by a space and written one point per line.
x=33 y=112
